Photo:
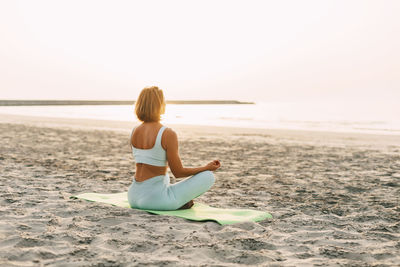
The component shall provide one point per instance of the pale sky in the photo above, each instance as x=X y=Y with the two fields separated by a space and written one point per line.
x=244 y=50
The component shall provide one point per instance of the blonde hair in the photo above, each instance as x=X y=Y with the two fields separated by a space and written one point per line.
x=150 y=104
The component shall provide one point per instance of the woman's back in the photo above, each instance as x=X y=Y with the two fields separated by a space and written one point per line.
x=149 y=150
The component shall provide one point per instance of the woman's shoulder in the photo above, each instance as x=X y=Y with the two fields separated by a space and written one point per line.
x=169 y=131
x=169 y=138
x=170 y=135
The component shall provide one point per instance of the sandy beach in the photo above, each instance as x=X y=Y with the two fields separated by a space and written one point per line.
x=335 y=198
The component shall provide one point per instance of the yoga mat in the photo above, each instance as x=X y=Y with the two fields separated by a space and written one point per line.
x=198 y=212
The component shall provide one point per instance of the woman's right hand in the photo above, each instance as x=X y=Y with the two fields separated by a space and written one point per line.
x=213 y=165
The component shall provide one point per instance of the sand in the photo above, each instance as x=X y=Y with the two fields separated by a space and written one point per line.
x=334 y=198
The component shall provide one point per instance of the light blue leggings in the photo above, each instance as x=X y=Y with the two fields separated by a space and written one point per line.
x=157 y=193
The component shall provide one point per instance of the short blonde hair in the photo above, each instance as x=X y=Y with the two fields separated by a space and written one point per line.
x=150 y=104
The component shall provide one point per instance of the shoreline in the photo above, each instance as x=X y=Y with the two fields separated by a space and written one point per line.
x=334 y=138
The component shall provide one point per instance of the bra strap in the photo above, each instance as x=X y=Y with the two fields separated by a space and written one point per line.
x=159 y=136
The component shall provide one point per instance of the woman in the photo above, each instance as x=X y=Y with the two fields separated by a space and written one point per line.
x=153 y=146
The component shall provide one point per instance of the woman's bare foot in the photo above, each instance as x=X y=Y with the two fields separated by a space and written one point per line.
x=187 y=205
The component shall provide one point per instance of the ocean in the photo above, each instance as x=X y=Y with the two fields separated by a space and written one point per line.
x=331 y=117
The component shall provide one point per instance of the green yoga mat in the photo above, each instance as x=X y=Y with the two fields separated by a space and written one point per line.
x=199 y=211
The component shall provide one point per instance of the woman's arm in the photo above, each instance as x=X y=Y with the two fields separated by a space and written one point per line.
x=174 y=160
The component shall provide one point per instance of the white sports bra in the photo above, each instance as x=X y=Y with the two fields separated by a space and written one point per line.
x=156 y=156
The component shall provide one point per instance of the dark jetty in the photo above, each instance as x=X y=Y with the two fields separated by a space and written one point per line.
x=110 y=102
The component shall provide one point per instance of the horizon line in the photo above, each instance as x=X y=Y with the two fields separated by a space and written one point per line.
x=113 y=102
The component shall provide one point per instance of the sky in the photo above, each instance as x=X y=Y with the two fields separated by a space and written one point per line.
x=243 y=50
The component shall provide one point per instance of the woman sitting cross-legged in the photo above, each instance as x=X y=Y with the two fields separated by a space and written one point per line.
x=153 y=146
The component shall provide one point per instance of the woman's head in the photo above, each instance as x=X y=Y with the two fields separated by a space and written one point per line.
x=150 y=104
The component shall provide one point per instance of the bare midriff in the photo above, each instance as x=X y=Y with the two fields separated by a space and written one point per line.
x=146 y=171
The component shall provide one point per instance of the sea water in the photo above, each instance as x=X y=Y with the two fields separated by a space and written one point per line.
x=299 y=116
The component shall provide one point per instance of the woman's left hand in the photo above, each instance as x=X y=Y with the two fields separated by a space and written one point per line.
x=213 y=165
